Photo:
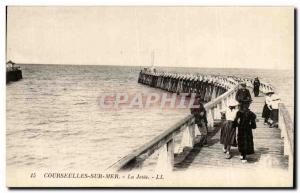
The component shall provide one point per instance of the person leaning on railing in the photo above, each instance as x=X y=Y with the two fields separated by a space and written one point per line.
x=200 y=119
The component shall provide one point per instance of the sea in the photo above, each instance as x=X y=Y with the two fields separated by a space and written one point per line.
x=54 y=120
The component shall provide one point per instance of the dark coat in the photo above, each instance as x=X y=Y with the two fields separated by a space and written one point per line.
x=266 y=112
x=199 y=113
x=243 y=95
x=274 y=115
x=245 y=121
x=256 y=85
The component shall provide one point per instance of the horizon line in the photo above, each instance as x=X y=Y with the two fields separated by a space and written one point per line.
x=143 y=66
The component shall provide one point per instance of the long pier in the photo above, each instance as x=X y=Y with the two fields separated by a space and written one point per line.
x=178 y=147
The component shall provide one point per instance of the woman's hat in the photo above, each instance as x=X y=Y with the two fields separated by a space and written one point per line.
x=243 y=84
x=270 y=92
x=233 y=103
x=275 y=97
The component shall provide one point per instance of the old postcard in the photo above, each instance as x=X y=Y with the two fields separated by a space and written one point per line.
x=137 y=96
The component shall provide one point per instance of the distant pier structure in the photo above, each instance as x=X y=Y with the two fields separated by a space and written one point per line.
x=178 y=147
x=13 y=72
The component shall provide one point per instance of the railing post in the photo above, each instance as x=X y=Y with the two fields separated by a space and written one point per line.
x=230 y=97
x=266 y=89
x=170 y=148
x=291 y=161
x=187 y=137
x=263 y=89
x=196 y=131
x=217 y=114
x=285 y=145
x=225 y=104
x=165 y=159
x=210 y=118
x=281 y=123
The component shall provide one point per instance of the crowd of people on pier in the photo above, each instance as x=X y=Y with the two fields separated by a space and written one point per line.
x=238 y=115
x=238 y=119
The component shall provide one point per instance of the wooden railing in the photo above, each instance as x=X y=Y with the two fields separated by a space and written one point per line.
x=166 y=144
x=163 y=142
x=286 y=125
x=264 y=87
x=168 y=147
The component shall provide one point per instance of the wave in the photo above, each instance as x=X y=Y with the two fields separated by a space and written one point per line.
x=81 y=103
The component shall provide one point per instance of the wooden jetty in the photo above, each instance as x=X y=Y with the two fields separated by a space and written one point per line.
x=178 y=147
x=268 y=148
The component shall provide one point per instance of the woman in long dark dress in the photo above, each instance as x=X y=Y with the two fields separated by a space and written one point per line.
x=245 y=121
x=256 y=85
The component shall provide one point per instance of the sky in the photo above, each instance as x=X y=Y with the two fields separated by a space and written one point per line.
x=214 y=37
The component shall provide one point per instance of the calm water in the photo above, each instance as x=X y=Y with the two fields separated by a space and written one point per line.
x=54 y=120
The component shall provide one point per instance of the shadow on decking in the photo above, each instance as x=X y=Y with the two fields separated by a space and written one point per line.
x=197 y=148
x=212 y=140
x=256 y=156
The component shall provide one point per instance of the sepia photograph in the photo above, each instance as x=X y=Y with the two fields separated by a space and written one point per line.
x=150 y=96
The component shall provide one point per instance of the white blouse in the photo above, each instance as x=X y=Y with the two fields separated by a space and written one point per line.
x=231 y=114
x=268 y=100
x=274 y=101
